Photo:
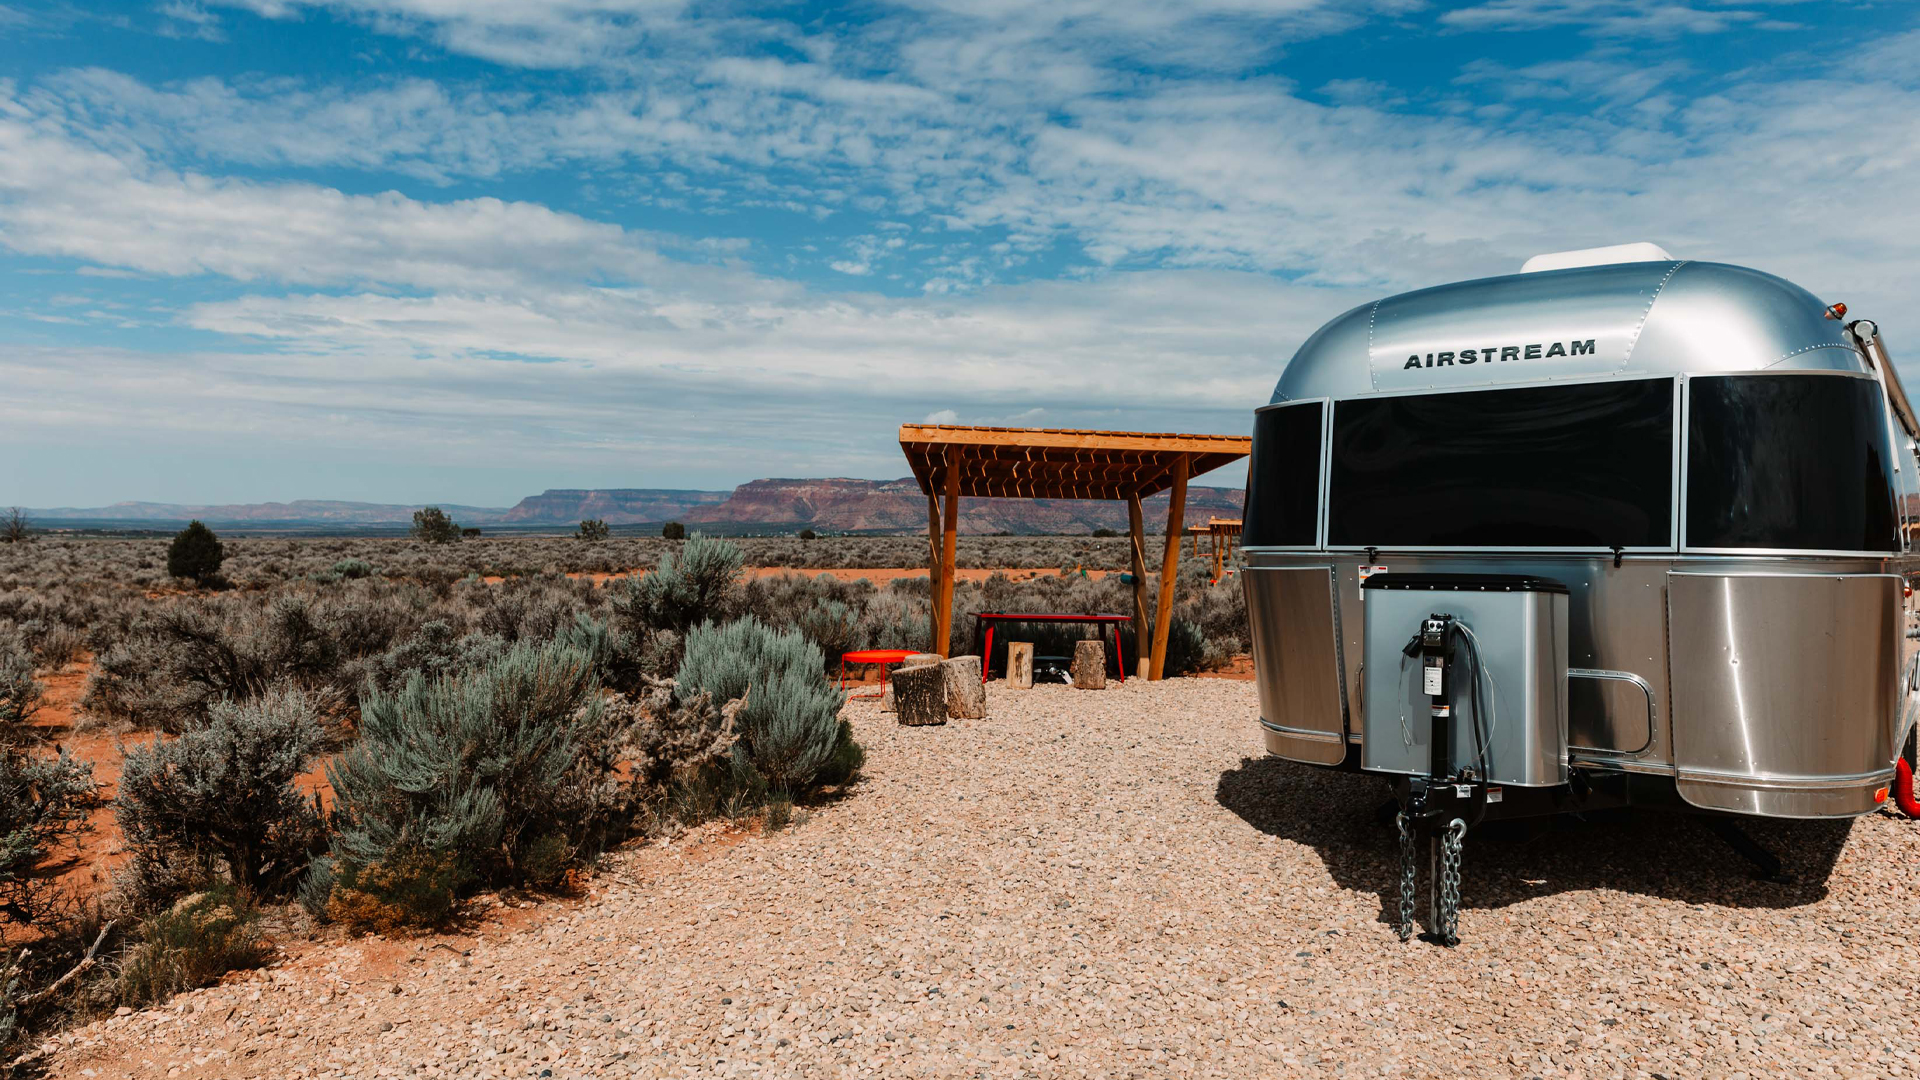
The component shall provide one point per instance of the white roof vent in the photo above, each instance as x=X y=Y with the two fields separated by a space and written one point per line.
x=1600 y=256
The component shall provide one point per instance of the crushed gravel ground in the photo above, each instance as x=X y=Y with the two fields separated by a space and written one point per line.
x=1105 y=884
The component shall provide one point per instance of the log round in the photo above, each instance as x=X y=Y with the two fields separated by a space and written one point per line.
x=966 y=691
x=1090 y=665
x=920 y=694
x=1020 y=665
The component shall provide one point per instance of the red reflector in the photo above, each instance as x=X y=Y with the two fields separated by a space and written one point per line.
x=1837 y=311
x=1880 y=795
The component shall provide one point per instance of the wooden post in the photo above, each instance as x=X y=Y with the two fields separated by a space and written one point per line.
x=1218 y=554
x=933 y=570
x=1136 y=528
x=952 y=524
x=1169 y=566
x=1020 y=664
x=1089 y=665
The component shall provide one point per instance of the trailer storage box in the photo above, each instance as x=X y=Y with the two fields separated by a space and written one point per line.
x=1517 y=626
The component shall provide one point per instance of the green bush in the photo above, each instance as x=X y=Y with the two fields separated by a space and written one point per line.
x=175 y=663
x=43 y=804
x=19 y=693
x=430 y=523
x=699 y=584
x=195 y=553
x=473 y=767
x=225 y=790
x=790 y=725
x=412 y=888
x=594 y=529
x=833 y=626
x=192 y=944
x=673 y=530
x=353 y=569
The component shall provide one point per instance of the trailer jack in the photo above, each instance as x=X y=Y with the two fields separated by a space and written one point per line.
x=1766 y=864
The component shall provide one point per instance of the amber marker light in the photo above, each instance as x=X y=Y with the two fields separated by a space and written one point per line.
x=1837 y=311
x=1880 y=795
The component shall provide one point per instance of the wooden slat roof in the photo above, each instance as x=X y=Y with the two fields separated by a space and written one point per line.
x=1059 y=463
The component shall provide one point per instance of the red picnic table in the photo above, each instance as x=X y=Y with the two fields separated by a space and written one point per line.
x=871 y=656
x=986 y=620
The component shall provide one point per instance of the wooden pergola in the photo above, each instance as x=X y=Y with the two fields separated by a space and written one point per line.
x=1053 y=463
x=1225 y=533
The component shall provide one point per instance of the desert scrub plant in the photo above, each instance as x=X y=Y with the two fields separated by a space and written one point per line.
x=409 y=889
x=430 y=523
x=224 y=790
x=43 y=804
x=191 y=944
x=594 y=530
x=699 y=584
x=352 y=569
x=470 y=766
x=790 y=725
x=195 y=553
x=20 y=693
x=186 y=655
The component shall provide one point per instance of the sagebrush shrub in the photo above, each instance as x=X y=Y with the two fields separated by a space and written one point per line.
x=700 y=584
x=790 y=724
x=472 y=766
x=224 y=789
x=195 y=553
x=43 y=804
x=186 y=655
x=353 y=569
x=192 y=944
x=20 y=693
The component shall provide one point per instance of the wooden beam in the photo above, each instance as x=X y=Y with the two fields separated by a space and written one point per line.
x=933 y=570
x=952 y=528
x=1056 y=438
x=1137 y=532
x=1169 y=568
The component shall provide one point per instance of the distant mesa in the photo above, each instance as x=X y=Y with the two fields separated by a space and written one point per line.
x=832 y=504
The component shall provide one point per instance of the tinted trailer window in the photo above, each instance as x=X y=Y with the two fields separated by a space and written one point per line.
x=1557 y=466
x=1789 y=461
x=1283 y=477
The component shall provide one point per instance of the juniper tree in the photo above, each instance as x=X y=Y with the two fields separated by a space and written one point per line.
x=195 y=553
x=430 y=523
x=593 y=529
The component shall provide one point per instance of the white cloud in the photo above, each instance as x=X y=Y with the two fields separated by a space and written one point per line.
x=1617 y=18
x=529 y=33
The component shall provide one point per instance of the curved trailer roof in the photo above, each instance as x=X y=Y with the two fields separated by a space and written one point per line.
x=1625 y=319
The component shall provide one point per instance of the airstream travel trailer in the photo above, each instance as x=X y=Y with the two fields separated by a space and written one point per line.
x=1618 y=529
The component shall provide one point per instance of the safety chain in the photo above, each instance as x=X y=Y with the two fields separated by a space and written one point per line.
x=1447 y=932
x=1408 y=863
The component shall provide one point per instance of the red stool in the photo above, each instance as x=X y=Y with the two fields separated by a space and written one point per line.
x=871 y=656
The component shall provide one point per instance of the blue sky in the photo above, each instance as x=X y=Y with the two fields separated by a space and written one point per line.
x=463 y=250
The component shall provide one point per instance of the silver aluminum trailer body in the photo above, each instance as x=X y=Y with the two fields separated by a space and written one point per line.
x=1717 y=466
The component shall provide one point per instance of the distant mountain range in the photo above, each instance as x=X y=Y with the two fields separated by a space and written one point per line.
x=834 y=504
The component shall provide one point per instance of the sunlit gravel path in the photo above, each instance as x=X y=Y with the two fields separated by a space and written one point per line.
x=1104 y=884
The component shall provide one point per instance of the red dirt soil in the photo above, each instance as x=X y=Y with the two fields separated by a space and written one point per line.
x=87 y=867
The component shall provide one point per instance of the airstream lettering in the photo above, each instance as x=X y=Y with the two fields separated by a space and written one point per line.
x=1662 y=566
x=1506 y=352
